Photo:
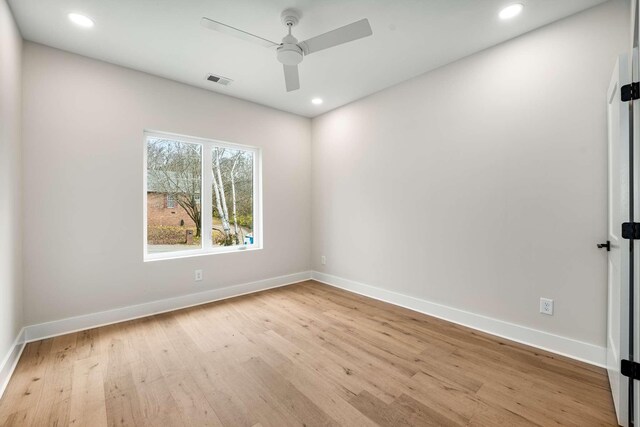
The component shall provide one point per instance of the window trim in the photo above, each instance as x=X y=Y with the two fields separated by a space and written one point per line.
x=206 y=197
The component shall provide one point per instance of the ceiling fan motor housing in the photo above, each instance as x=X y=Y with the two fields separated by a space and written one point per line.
x=289 y=53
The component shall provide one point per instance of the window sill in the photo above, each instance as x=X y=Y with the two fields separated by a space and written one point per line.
x=199 y=252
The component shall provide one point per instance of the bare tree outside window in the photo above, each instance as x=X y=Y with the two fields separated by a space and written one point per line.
x=232 y=186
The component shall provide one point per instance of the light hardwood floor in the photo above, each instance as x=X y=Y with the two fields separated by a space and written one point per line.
x=306 y=354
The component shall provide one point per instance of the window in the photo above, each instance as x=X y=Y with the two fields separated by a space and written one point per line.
x=171 y=201
x=213 y=190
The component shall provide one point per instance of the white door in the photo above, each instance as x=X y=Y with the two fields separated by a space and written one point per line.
x=635 y=72
x=618 y=255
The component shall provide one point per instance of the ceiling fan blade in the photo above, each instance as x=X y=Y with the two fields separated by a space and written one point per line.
x=291 y=78
x=348 y=33
x=224 y=28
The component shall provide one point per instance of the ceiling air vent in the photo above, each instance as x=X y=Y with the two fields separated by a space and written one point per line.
x=224 y=81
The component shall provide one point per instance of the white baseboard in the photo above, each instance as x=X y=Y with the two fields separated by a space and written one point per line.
x=8 y=365
x=93 y=320
x=578 y=350
x=564 y=346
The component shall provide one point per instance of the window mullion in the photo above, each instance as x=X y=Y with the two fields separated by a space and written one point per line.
x=257 y=198
x=207 y=196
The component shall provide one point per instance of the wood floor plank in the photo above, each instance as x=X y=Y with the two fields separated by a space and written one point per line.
x=192 y=402
x=87 y=406
x=324 y=395
x=417 y=413
x=25 y=387
x=378 y=411
x=287 y=395
x=305 y=354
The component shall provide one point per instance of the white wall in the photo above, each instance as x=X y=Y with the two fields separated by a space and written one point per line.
x=83 y=147
x=480 y=185
x=10 y=249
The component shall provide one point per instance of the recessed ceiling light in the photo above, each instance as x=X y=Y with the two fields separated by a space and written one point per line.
x=81 y=20
x=316 y=101
x=511 y=11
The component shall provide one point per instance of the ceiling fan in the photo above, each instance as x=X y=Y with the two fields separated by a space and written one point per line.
x=290 y=53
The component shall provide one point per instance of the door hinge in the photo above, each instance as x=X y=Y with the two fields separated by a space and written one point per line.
x=631 y=230
x=630 y=92
x=630 y=369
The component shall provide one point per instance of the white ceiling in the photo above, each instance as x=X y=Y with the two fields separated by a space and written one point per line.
x=164 y=37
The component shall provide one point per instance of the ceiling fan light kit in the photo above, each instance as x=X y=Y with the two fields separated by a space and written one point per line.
x=289 y=52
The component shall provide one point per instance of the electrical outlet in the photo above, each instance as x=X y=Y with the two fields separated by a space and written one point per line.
x=323 y=260
x=546 y=306
x=198 y=275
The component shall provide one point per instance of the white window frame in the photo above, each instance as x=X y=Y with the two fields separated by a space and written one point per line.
x=206 y=197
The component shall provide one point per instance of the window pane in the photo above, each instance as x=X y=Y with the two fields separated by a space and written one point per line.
x=232 y=197
x=173 y=195
x=171 y=201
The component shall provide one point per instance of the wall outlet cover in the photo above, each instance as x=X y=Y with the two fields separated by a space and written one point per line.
x=546 y=306
x=198 y=275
